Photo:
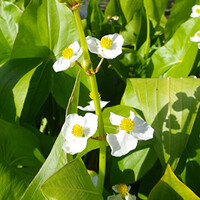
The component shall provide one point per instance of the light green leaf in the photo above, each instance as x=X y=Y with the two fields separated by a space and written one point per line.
x=169 y=187
x=71 y=182
x=156 y=9
x=188 y=168
x=177 y=56
x=20 y=159
x=170 y=106
x=46 y=28
x=15 y=77
x=9 y=28
x=56 y=158
x=180 y=12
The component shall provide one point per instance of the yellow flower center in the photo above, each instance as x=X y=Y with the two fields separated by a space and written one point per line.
x=77 y=130
x=127 y=124
x=198 y=10
x=122 y=189
x=198 y=34
x=67 y=53
x=106 y=42
x=92 y=97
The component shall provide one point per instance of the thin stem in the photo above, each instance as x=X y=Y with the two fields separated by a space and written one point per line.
x=147 y=45
x=87 y=66
x=99 y=65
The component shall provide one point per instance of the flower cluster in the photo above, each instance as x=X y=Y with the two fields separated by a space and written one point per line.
x=77 y=129
x=196 y=13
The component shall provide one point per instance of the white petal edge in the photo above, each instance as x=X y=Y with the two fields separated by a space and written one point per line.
x=130 y=197
x=93 y=44
x=61 y=64
x=91 y=107
x=76 y=145
x=121 y=143
x=115 y=119
x=114 y=197
x=91 y=123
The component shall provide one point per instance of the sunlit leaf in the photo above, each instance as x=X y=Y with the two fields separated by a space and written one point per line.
x=20 y=159
x=170 y=106
x=169 y=187
x=70 y=182
x=177 y=56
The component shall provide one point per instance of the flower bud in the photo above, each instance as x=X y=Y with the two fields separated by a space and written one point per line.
x=86 y=64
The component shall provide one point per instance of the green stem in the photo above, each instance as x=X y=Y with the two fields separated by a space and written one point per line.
x=94 y=89
x=147 y=45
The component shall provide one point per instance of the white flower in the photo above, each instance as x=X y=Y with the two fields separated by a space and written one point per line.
x=91 y=107
x=76 y=131
x=195 y=11
x=69 y=55
x=110 y=46
x=123 y=191
x=115 y=18
x=131 y=130
x=196 y=37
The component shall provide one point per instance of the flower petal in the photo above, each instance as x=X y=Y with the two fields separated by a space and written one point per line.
x=121 y=143
x=195 y=38
x=194 y=11
x=141 y=130
x=75 y=145
x=130 y=197
x=93 y=44
x=199 y=45
x=91 y=107
x=115 y=119
x=61 y=64
x=114 y=197
x=91 y=124
x=75 y=47
x=110 y=54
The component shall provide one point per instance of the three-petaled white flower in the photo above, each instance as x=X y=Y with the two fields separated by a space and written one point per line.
x=123 y=191
x=195 y=11
x=76 y=131
x=91 y=107
x=69 y=55
x=196 y=38
x=110 y=46
x=131 y=130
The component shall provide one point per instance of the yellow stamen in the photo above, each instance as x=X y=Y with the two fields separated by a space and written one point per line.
x=77 y=130
x=92 y=97
x=106 y=42
x=198 y=34
x=67 y=53
x=122 y=189
x=198 y=10
x=127 y=124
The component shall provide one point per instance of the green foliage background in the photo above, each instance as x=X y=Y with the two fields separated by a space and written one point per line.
x=156 y=76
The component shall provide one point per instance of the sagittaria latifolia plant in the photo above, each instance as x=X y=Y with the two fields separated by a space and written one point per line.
x=103 y=106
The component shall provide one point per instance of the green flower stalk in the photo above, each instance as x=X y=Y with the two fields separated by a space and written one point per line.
x=87 y=66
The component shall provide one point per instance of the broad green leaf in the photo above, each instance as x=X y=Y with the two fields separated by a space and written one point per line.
x=170 y=187
x=56 y=158
x=180 y=12
x=15 y=77
x=71 y=182
x=20 y=159
x=170 y=106
x=46 y=28
x=9 y=28
x=188 y=168
x=156 y=9
x=177 y=56
x=38 y=91
x=131 y=167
